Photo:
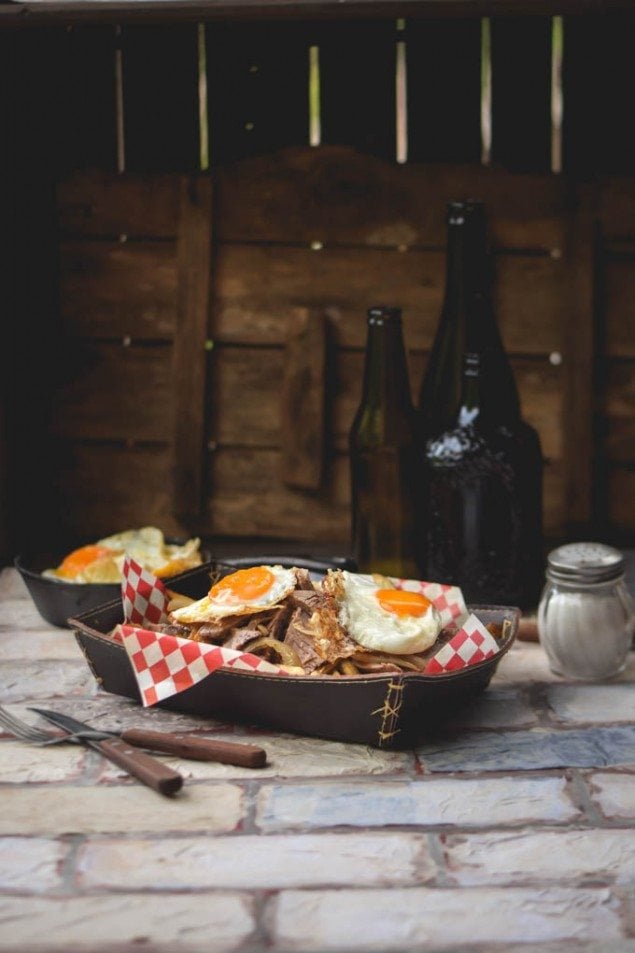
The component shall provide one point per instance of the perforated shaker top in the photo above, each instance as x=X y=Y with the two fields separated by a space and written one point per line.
x=586 y=562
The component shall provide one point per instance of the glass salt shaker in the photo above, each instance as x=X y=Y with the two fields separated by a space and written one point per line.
x=586 y=616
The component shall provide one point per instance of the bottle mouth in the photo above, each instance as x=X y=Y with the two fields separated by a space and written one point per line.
x=381 y=314
x=458 y=212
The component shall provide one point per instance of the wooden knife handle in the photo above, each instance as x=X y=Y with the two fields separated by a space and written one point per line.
x=141 y=765
x=197 y=749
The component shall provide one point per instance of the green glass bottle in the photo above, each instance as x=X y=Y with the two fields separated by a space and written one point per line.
x=385 y=456
x=483 y=463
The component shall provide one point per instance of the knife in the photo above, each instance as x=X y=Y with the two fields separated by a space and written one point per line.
x=181 y=745
x=136 y=762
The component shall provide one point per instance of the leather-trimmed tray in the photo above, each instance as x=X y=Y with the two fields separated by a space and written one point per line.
x=385 y=711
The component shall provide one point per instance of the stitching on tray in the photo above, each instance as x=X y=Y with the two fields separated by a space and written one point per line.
x=390 y=711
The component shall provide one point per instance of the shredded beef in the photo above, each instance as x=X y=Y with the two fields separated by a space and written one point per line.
x=183 y=631
x=299 y=638
x=303 y=579
x=308 y=599
x=240 y=637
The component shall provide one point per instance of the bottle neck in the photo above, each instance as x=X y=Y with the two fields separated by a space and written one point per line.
x=468 y=366
x=386 y=377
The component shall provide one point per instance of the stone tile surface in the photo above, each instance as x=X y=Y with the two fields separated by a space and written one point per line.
x=510 y=830
x=431 y=802
x=410 y=919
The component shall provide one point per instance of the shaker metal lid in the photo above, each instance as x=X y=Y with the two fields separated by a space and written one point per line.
x=586 y=562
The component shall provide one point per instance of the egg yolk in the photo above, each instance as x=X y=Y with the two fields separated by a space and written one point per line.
x=80 y=558
x=245 y=585
x=402 y=603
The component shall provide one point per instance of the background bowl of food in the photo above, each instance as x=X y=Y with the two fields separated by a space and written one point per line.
x=64 y=585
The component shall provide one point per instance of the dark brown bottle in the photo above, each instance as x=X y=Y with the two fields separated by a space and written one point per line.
x=483 y=463
x=385 y=455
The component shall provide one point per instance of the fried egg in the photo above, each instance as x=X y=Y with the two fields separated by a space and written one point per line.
x=241 y=593
x=386 y=620
x=102 y=561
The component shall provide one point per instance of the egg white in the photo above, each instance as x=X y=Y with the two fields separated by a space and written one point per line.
x=209 y=609
x=376 y=628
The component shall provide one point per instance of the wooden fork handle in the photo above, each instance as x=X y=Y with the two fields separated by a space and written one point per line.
x=197 y=749
x=140 y=765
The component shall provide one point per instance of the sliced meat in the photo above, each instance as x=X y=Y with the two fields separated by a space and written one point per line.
x=212 y=632
x=239 y=638
x=167 y=628
x=308 y=599
x=277 y=627
x=299 y=637
x=303 y=579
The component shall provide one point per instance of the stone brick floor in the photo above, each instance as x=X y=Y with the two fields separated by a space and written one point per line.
x=513 y=831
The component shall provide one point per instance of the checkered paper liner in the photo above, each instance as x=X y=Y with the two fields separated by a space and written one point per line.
x=144 y=596
x=164 y=665
x=471 y=644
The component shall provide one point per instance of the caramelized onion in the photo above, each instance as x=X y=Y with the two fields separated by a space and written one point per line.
x=273 y=651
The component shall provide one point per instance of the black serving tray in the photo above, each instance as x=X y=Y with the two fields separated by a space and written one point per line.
x=385 y=711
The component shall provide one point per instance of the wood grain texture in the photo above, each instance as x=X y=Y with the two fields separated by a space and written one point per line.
x=194 y=250
x=256 y=286
x=95 y=205
x=111 y=289
x=337 y=195
x=302 y=401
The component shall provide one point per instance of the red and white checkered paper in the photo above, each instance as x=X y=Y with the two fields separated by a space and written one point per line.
x=471 y=644
x=144 y=596
x=164 y=665
x=447 y=600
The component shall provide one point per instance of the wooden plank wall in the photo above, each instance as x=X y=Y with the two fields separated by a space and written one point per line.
x=177 y=289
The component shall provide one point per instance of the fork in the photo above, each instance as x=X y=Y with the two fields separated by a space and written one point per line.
x=27 y=732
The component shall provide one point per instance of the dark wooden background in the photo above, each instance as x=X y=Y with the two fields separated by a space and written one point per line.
x=183 y=346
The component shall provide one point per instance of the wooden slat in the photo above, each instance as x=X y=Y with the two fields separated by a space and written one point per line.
x=357 y=86
x=257 y=89
x=104 y=487
x=112 y=392
x=618 y=305
x=114 y=289
x=444 y=63
x=160 y=98
x=188 y=382
x=619 y=410
x=256 y=286
x=337 y=195
x=247 y=388
x=248 y=502
x=621 y=493
x=598 y=78
x=104 y=206
x=302 y=401
x=584 y=480
x=521 y=93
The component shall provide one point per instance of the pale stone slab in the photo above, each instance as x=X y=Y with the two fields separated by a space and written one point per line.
x=55 y=644
x=529 y=750
x=525 y=662
x=406 y=919
x=214 y=923
x=11 y=585
x=30 y=865
x=615 y=795
x=497 y=708
x=257 y=863
x=600 y=704
x=289 y=757
x=20 y=614
x=129 y=808
x=482 y=802
x=44 y=680
x=22 y=763
x=519 y=857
